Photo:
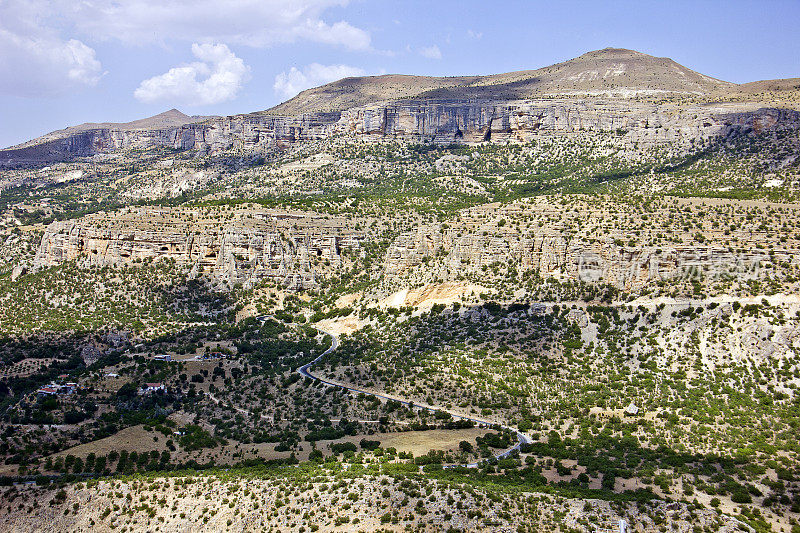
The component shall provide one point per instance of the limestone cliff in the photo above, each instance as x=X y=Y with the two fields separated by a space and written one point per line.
x=458 y=121
x=485 y=242
x=444 y=121
x=596 y=241
x=290 y=249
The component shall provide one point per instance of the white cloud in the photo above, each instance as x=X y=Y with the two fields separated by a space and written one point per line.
x=217 y=77
x=36 y=60
x=257 y=23
x=472 y=34
x=431 y=52
x=289 y=83
x=46 y=45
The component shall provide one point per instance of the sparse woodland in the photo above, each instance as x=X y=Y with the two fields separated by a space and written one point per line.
x=633 y=310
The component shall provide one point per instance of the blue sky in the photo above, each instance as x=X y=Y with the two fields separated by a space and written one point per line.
x=64 y=62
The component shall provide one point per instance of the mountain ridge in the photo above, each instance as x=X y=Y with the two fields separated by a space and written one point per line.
x=171 y=118
x=613 y=72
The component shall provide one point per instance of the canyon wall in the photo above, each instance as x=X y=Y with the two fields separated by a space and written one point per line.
x=290 y=250
x=536 y=238
x=640 y=123
x=297 y=249
x=552 y=255
x=500 y=121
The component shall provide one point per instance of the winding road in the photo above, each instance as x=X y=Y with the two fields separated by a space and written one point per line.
x=306 y=372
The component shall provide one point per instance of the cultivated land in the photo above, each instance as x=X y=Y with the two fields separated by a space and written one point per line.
x=546 y=300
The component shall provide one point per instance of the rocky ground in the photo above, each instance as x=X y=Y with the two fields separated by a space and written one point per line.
x=603 y=255
x=329 y=501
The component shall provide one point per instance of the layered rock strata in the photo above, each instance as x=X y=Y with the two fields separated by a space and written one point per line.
x=293 y=250
x=443 y=121
x=502 y=121
x=484 y=240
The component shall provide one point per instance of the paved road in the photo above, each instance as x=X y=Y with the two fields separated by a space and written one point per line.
x=305 y=372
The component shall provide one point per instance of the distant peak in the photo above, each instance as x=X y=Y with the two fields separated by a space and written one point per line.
x=171 y=113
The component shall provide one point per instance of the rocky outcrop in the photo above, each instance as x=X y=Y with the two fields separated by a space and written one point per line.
x=259 y=133
x=243 y=133
x=90 y=353
x=289 y=249
x=519 y=121
x=444 y=121
x=549 y=254
x=97 y=141
x=483 y=243
x=481 y=246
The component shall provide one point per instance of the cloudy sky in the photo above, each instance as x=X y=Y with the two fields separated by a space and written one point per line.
x=64 y=62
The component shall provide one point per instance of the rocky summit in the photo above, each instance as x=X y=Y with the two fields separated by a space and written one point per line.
x=562 y=299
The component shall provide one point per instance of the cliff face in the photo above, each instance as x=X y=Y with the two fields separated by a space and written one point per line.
x=550 y=254
x=596 y=242
x=288 y=249
x=524 y=238
x=99 y=141
x=241 y=133
x=441 y=121
x=491 y=121
x=261 y=132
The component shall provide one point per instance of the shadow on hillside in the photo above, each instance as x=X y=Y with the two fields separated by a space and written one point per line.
x=514 y=90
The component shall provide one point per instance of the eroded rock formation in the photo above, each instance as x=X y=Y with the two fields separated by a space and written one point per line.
x=492 y=121
x=642 y=124
x=290 y=249
x=489 y=239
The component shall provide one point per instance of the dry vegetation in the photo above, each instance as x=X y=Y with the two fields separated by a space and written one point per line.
x=616 y=311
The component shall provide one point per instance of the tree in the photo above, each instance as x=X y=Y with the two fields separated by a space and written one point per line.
x=127 y=391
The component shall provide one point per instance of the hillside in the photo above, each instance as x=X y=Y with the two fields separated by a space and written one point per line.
x=452 y=310
x=788 y=84
x=614 y=75
x=168 y=119
x=615 y=72
x=357 y=91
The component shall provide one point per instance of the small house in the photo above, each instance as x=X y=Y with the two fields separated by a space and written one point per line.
x=154 y=387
